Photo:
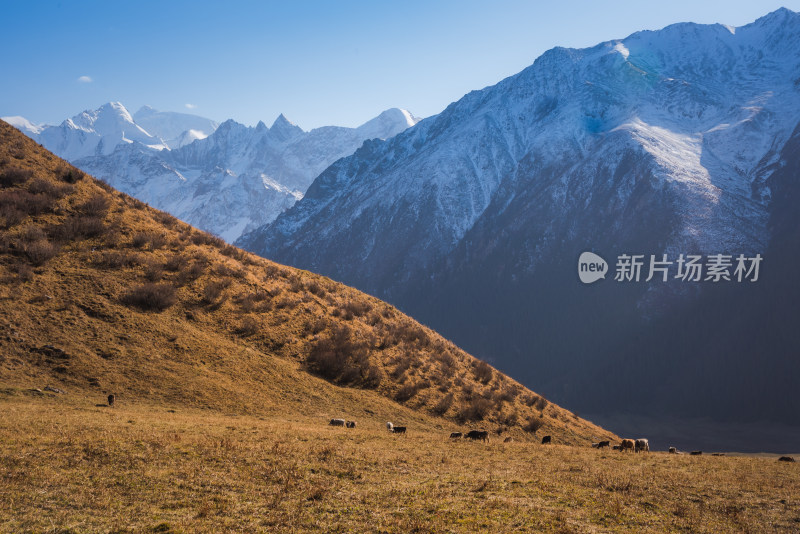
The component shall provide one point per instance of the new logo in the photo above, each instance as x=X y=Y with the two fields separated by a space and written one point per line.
x=591 y=267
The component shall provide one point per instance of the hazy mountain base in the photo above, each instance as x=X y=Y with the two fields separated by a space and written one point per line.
x=705 y=434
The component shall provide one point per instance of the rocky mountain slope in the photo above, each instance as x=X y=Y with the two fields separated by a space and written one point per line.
x=666 y=142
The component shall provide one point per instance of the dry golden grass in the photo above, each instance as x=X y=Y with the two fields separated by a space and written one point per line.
x=101 y=294
x=67 y=466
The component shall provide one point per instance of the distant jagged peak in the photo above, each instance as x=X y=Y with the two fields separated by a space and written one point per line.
x=388 y=124
x=283 y=129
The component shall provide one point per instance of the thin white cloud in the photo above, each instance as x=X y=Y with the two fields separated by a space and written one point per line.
x=85 y=79
x=190 y=106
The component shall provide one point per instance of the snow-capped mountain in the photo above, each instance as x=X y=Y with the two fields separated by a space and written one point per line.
x=175 y=129
x=473 y=220
x=21 y=123
x=238 y=178
x=95 y=132
x=226 y=179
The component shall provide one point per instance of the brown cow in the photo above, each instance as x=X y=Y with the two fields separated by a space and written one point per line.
x=627 y=444
x=509 y=439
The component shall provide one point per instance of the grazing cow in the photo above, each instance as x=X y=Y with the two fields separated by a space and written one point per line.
x=673 y=450
x=350 y=424
x=627 y=444
x=595 y=445
x=786 y=459
x=399 y=430
x=509 y=439
x=602 y=444
x=642 y=445
x=717 y=454
x=456 y=435
x=482 y=435
x=111 y=399
x=696 y=453
x=617 y=447
x=547 y=439
x=389 y=426
x=337 y=422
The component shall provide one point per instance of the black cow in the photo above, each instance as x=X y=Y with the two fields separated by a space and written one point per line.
x=547 y=439
x=482 y=435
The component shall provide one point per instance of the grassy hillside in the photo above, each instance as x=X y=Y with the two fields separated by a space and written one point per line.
x=226 y=368
x=101 y=294
x=143 y=468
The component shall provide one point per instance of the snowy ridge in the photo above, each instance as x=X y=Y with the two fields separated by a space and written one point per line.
x=235 y=179
x=707 y=105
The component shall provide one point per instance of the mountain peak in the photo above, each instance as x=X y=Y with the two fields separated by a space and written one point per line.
x=284 y=129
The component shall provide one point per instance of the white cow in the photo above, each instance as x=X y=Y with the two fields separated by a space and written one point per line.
x=389 y=427
x=642 y=445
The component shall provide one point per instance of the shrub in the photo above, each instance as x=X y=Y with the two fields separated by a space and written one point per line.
x=475 y=410
x=444 y=404
x=315 y=288
x=26 y=202
x=483 y=371
x=166 y=219
x=70 y=175
x=48 y=188
x=533 y=424
x=212 y=292
x=96 y=206
x=77 y=226
x=14 y=176
x=116 y=259
x=175 y=263
x=204 y=238
x=340 y=358
x=150 y=296
x=153 y=271
x=10 y=216
x=247 y=327
x=39 y=251
x=142 y=239
x=406 y=392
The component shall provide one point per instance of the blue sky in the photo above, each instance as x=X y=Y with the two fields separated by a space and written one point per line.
x=319 y=63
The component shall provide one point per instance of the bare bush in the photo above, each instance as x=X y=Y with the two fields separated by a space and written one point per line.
x=96 y=206
x=212 y=292
x=40 y=251
x=475 y=410
x=70 y=175
x=150 y=297
x=406 y=392
x=483 y=372
x=14 y=176
x=342 y=359
x=77 y=227
x=248 y=327
x=116 y=259
x=441 y=407
x=533 y=424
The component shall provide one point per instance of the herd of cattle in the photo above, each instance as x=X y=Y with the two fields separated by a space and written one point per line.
x=633 y=445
